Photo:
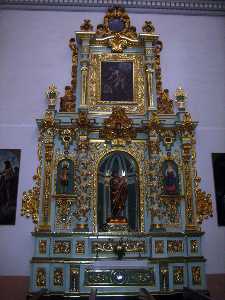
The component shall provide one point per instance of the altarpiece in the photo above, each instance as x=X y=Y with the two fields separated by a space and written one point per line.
x=117 y=203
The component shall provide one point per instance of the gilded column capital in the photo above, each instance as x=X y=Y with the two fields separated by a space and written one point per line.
x=186 y=151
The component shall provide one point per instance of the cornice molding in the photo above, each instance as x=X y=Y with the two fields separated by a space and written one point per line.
x=183 y=7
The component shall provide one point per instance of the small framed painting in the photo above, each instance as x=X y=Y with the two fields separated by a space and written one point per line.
x=9 y=179
x=218 y=160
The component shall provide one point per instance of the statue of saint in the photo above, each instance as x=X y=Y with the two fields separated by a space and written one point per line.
x=118 y=193
x=64 y=177
x=65 y=174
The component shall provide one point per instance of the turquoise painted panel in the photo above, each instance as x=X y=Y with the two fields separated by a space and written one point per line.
x=42 y=247
x=159 y=245
x=176 y=247
x=177 y=276
x=40 y=276
x=62 y=247
x=58 y=277
x=194 y=246
x=196 y=275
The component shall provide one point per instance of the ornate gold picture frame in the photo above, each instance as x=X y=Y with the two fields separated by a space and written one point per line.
x=108 y=72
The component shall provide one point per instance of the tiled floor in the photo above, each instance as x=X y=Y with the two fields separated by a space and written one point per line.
x=15 y=287
x=216 y=286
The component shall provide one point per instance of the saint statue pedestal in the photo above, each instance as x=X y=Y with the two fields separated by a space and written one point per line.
x=157 y=228
x=116 y=224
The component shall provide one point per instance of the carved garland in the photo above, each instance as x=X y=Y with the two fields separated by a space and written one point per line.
x=30 y=200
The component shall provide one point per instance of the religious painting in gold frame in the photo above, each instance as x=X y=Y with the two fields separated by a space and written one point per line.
x=117 y=81
x=104 y=70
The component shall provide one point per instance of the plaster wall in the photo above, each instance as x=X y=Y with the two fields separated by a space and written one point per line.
x=34 y=53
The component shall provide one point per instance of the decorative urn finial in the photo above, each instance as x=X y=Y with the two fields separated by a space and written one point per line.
x=52 y=95
x=180 y=98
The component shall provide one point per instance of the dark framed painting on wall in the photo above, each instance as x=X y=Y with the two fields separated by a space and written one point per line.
x=218 y=160
x=117 y=81
x=9 y=179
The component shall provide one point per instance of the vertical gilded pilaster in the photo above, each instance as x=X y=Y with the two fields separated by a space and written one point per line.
x=149 y=37
x=84 y=73
x=149 y=75
x=154 y=149
x=187 y=130
x=47 y=131
x=47 y=188
x=84 y=38
x=73 y=47
x=187 y=185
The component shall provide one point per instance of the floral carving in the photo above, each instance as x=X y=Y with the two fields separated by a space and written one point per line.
x=120 y=37
x=203 y=202
x=118 y=126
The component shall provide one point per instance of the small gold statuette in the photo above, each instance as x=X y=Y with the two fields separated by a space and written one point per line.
x=67 y=102
x=196 y=275
x=80 y=247
x=42 y=246
x=58 y=277
x=159 y=246
x=165 y=104
x=194 y=246
x=178 y=275
x=41 y=278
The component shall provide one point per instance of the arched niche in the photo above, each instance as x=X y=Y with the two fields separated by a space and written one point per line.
x=65 y=175
x=118 y=191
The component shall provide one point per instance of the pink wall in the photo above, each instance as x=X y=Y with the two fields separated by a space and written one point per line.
x=34 y=53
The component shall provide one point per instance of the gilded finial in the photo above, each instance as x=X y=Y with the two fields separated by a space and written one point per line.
x=180 y=98
x=180 y=94
x=148 y=27
x=52 y=94
x=86 y=26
